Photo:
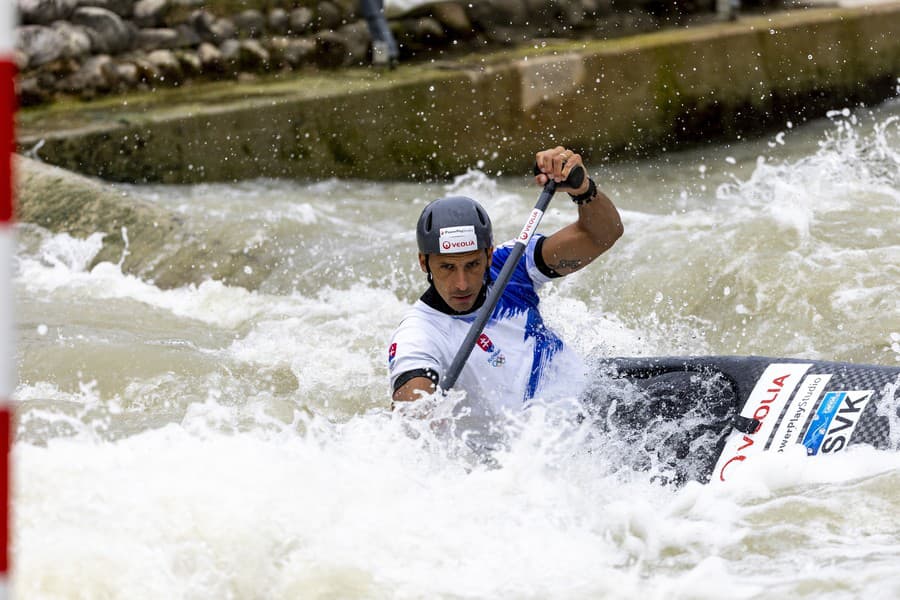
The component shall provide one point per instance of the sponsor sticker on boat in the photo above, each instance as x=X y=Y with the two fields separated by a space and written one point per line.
x=770 y=397
x=835 y=420
x=797 y=416
x=793 y=408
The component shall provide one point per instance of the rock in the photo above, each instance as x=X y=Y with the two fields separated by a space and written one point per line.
x=190 y=63
x=300 y=20
x=417 y=35
x=253 y=56
x=40 y=44
x=358 y=39
x=187 y=37
x=331 y=50
x=250 y=23
x=244 y=55
x=292 y=52
x=202 y=21
x=123 y=8
x=77 y=41
x=97 y=74
x=60 y=200
x=156 y=38
x=210 y=29
x=30 y=92
x=150 y=13
x=127 y=75
x=57 y=31
x=598 y=8
x=178 y=12
x=538 y=9
x=429 y=31
x=488 y=14
x=223 y=29
x=147 y=71
x=277 y=46
x=108 y=33
x=166 y=64
x=567 y=14
x=328 y=15
x=210 y=58
x=347 y=46
x=44 y=12
x=20 y=59
x=230 y=51
x=347 y=9
x=51 y=73
x=452 y=17
x=279 y=21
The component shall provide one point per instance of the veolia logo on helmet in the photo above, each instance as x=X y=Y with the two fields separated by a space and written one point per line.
x=458 y=239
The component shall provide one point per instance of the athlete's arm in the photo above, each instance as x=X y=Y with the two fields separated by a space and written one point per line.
x=598 y=225
x=414 y=389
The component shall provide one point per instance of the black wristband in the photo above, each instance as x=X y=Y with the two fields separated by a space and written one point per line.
x=587 y=196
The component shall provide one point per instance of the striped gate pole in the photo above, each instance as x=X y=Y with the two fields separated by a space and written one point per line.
x=7 y=248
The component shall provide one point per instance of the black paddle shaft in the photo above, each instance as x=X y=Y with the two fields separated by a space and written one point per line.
x=575 y=179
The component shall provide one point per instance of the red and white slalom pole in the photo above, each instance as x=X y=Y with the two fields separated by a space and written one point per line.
x=7 y=248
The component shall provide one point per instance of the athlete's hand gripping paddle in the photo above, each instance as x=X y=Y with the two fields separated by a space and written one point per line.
x=574 y=181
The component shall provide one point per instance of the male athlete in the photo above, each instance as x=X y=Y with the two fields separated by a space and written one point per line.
x=516 y=355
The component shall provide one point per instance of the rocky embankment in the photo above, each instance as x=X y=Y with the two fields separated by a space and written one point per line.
x=620 y=98
x=141 y=238
x=86 y=48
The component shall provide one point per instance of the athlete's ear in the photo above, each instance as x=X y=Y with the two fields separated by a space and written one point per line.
x=490 y=255
x=423 y=262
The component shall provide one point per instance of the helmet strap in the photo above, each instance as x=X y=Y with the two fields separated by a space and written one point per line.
x=428 y=269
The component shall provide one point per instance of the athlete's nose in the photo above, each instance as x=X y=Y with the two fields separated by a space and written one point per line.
x=459 y=280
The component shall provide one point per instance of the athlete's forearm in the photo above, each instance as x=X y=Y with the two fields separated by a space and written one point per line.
x=600 y=221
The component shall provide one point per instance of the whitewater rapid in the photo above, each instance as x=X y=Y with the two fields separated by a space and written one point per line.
x=210 y=441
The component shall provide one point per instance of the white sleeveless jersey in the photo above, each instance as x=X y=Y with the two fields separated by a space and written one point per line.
x=515 y=357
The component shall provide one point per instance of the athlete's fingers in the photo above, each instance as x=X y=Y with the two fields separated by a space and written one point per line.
x=574 y=162
x=559 y=161
x=548 y=161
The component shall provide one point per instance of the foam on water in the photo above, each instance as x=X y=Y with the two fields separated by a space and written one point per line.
x=799 y=241
x=247 y=451
x=61 y=267
x=381 y=507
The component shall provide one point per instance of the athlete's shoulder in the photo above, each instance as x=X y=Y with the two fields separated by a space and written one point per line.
x=529 y=265
x=419 y=342
x=502 y=251
x=422 y=320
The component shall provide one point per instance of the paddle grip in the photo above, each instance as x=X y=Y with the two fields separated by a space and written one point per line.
x=574 y=180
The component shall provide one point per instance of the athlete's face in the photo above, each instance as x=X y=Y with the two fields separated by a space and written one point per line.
x=458 y=277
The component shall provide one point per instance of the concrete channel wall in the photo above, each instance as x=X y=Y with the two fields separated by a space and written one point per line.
x=606 y=98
